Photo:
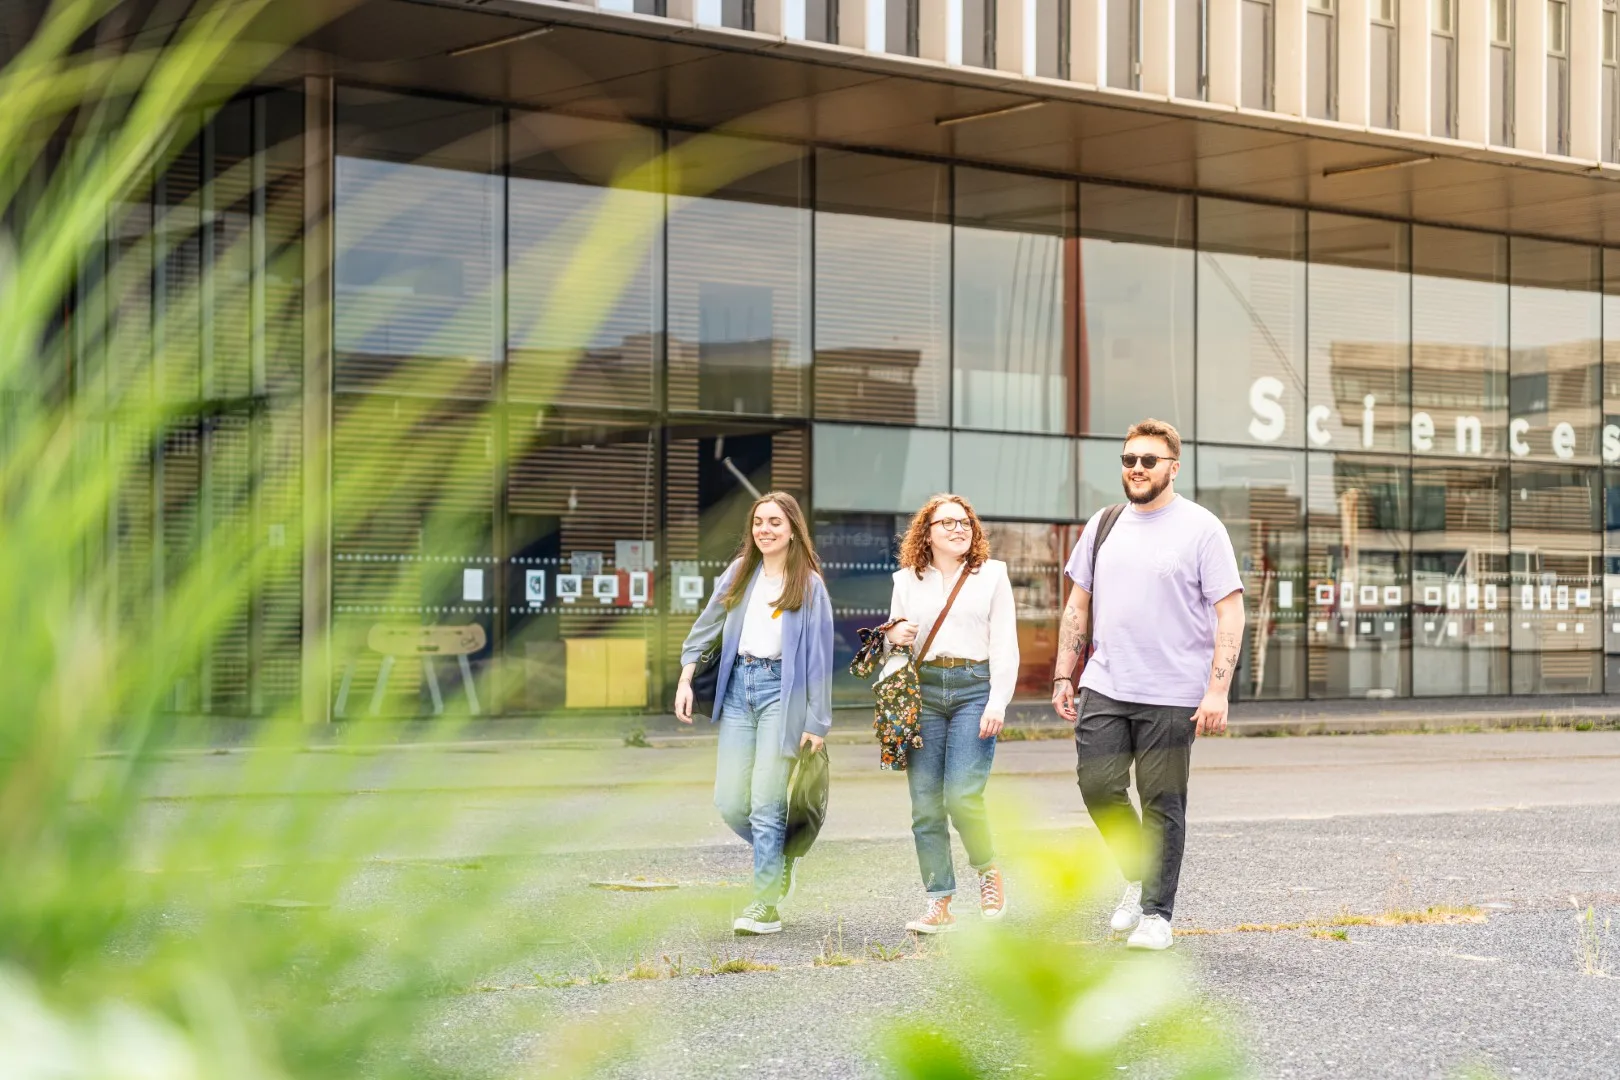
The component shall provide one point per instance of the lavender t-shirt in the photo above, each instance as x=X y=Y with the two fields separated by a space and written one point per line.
x=1157 y=578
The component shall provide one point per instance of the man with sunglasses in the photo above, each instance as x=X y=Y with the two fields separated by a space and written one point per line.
x=1154 y=654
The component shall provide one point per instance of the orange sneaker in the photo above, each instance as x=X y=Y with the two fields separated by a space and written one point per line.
x=992 y=893
x=936 y=920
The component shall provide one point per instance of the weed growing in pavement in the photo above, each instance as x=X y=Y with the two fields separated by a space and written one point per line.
x=644 y=971
x=735 y=965
x=832 y=954
x=637 y=737
x=1331 y=935
x=888 y=953
x=1592 y=942
x=1439 y=914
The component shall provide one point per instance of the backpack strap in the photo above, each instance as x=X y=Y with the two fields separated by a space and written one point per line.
x=1105 y=525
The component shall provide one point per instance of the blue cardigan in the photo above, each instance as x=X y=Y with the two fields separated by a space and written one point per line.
x=807 y=646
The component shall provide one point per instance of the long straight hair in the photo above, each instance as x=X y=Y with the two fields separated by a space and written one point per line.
x=801 y=555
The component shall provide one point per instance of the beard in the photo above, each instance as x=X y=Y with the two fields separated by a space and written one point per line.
x=1155 y=489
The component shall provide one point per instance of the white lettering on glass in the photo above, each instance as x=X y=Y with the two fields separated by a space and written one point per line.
x=1269 y=418
x=1422 y=431
x=1269 y=424
x=1468 y=434
x=1313 y=425
x=1516 y=432
x=1611 y=444
x=1563 y=440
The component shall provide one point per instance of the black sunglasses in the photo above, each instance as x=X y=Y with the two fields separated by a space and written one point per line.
x=1149 y=461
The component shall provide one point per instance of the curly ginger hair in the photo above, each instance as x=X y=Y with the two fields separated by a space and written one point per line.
x=917 y=550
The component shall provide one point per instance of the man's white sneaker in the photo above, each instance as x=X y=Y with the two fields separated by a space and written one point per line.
x=1153 y=932
x=1129 y=912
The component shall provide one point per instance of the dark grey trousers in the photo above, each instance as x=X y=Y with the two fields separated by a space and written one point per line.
x=1109 y=737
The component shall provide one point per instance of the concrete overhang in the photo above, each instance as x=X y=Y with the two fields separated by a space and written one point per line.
x=659 y=70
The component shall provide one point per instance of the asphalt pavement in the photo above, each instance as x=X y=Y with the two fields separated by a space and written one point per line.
x=1516 y=832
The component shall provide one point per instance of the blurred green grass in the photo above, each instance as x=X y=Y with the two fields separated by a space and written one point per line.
x=270 y=936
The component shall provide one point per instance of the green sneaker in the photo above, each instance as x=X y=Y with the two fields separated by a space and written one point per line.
x=757 y=918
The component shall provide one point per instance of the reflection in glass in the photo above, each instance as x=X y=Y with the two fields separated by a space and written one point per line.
x=1015 y=476
x=1251 y=324
x=585 y=251
x=1358 y=563
x=1360 y=334
x=578 y=503
x=883 y=300
x=858 y=556
x=1461 y=596
x=739 y=270
x=1611 y=454
x=1554 y=393
x=711 y=472
x=1015 y=302
x=892 y=469
x=1035 y=553
x=1459 y=343
x=1557 y=572
x=417 y=551
x=1136 y=289
x=1259 y=495
x=418 y=229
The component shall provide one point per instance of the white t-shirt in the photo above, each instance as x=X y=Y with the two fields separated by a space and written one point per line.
x=762 y=623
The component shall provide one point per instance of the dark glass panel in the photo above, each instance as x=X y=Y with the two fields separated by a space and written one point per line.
x=1461 y=601
x=1136 y=289
x=1260 y=496
x=1459 y=343
x=1251 y=324
x=418 y=245
x=1555 y=375
x=1360 y=334
x=1359 y=569
x=883 y=293
x=739 y=276
x=585 y=254
x=1015 y=301
x=1556 y=566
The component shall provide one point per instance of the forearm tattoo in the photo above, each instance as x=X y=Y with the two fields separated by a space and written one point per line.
x=1226 y=655
x=1073 y=639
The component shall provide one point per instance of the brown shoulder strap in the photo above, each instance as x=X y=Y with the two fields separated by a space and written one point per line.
x=961 y=579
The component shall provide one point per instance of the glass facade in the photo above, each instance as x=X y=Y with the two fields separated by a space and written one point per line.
x=572 y=349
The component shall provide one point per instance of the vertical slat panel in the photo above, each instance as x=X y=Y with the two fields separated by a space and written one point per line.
x=1226 y=52
x=1289 y=52
x=1088 y=41
x=1586 y=79
x=1158 y=48
x=1473 y=72
x=1530 y=75
x=1355 y=36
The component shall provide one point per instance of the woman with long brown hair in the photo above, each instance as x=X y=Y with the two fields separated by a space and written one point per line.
x=773 y=693
x=967 y=678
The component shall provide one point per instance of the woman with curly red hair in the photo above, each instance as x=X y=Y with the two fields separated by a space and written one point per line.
x=967 y=679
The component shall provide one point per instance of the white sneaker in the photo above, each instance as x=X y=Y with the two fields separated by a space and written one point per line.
x=1129 y=912
x=1153 y=932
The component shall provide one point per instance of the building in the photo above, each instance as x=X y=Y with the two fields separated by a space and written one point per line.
x=583 y=275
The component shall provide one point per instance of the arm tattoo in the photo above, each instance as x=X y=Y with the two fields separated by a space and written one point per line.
x=1072 y=638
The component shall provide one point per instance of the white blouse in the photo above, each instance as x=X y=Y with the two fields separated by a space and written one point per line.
x=762 y=625
x=982 y=625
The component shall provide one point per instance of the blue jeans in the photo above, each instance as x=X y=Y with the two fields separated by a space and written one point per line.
x=948 y=772
x=751 y=779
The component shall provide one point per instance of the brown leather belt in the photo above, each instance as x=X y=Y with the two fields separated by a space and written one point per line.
x=950 y=662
